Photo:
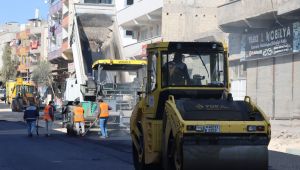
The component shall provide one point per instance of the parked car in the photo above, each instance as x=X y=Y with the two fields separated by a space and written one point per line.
x=2 y=94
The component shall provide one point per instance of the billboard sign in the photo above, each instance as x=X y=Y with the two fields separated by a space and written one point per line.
x=274 y=42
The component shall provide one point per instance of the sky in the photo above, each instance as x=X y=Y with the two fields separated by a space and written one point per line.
x=21 y=10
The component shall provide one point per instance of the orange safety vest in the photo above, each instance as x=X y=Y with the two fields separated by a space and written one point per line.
x=103 y=110
x=47 y=116
x=78 y=114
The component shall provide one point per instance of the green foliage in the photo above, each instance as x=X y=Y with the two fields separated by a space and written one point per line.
x=9 y=68
x=42 y=73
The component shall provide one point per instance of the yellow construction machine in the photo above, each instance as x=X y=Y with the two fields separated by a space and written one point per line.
x=187 y=118
x=19 y=94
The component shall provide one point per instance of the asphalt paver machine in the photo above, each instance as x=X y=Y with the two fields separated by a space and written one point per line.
x=118 y=83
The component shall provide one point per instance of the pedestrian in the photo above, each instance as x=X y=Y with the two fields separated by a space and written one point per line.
x=31 y=114
x=64 y=113
x=49 y=117
x=103 y=116
x=79 y=118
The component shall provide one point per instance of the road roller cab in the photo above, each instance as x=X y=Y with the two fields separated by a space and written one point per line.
x=187 y=119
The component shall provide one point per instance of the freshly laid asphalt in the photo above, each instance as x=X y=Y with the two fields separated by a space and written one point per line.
x=62 y=152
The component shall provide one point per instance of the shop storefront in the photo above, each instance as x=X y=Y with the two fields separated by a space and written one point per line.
x=272 y=60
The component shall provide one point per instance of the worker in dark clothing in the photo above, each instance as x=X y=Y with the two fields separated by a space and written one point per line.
x=31 y=114
x=175 y=72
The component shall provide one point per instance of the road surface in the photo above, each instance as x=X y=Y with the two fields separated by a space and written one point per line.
x=60 y=152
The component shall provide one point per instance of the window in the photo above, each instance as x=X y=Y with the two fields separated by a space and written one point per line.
x=98 y=1
x=129 y=2
x=129 y=33
x=152 y=65
x=193 y=69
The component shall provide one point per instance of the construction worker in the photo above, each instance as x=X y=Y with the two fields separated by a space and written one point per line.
x=31 y=114
x=49 y=117
x=176 y=72
x=78 y=118
x=103 y=116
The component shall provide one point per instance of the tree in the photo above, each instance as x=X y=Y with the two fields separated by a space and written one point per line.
x=9 y=68
x=41 y=75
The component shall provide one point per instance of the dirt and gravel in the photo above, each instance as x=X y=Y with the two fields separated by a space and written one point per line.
x=285 y=136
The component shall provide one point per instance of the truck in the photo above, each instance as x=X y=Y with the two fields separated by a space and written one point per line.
x=20 y=94
x=186 y=119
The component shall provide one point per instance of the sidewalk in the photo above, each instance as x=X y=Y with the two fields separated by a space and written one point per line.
x=285 y=136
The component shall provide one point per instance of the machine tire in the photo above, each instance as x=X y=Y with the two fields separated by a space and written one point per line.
x=70 y=130
x=140 y=164
x=173 y=157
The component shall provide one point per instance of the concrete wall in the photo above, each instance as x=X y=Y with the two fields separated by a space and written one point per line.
x=264 y=88
x=274 y=85
x=251 y=79
x=296 y=86
x=183 y=19
x=283 y=86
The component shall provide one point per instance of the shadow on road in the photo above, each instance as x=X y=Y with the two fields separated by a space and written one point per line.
x=283 y=161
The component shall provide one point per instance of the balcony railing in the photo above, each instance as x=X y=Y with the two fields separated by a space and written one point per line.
x=244 y=11
x=138 y=49
x=65 y=22
x=55 y=8
x=22 y=51
x=54 y=54
x=65 y=45
x=35 y=51
x=138 y=9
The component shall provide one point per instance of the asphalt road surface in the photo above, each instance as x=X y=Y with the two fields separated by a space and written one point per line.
x=60 y=152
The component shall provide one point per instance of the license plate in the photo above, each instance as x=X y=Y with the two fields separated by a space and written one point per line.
x=208 y=128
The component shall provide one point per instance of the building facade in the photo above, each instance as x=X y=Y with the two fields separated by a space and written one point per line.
x=8 y=33
x=145 y=21
x=264 y=43
x=30 y=46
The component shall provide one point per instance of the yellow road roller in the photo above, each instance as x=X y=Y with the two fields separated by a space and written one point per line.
x=186 y=118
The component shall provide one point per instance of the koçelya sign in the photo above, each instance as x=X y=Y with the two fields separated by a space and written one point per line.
x=277 y=41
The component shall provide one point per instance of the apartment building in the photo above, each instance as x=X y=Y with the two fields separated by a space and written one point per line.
x=7 y=36
x=30 y=46
x=264 y=44
x=145 y=21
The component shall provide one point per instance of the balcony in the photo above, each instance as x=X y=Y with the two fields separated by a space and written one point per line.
x=289 y=7
x=54 y=55
x=138 y=50
x=65 y=45
x=247 y=14
x=55 y=8
x=22 y=68
x=23 y=51
x=57 y=31
x=36 y=51
x=108 y=9
x=65 y=22
x=140 y=12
